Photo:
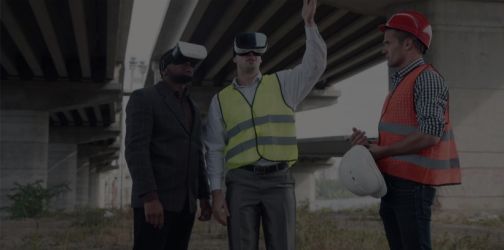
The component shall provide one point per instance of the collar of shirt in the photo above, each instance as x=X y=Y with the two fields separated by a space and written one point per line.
x=256 y=81
x=182 y=93
x=400 y=74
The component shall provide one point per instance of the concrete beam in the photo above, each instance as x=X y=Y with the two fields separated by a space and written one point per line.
x=88 y=151
x=362 y=58
x=83 y=116
x=351 y=47
x=104 y=164
x=7 y=63
x=319 y=98
x=176 y=19
x=198 y=13
x=300 y=41
x=47 y=29
x=55 y=118
x=55 y=96
x=372 y=61
x=324 y=147
x=79 y=135
x=345 y=32
x=113 y=7
x=348 y=30
x=224 y=23
x=366 y=7
x=16 y=32
x=125 y=12
x=103 y=158
x=69 y=117
x=81 y=36
x=266 y=14
x=98 y=115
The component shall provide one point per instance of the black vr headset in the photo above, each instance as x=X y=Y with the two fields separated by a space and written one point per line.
x=247 y=42
x=182 y=53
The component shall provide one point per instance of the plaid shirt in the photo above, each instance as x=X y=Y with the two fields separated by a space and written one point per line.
x=430 y=97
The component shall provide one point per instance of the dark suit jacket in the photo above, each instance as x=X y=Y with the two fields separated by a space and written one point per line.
x=163 y=154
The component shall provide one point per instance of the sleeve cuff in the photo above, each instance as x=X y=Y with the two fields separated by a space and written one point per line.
x=215 y=183
x=437 y=131
x=149 y=197
x=311 y=32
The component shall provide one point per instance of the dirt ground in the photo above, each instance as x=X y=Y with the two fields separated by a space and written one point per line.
x=318 y=230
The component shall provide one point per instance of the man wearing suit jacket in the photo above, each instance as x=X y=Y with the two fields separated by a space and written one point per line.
x=164 y=154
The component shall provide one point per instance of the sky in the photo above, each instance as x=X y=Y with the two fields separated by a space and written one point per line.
x=359 y=105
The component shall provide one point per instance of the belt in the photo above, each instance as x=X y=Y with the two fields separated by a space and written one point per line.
x=260 y=170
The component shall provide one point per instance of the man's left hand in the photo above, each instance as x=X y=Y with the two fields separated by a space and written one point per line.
x=205 y=210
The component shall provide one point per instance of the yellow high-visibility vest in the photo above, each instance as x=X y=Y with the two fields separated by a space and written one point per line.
x=264 y=129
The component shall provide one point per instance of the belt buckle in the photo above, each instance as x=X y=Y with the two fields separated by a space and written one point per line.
x=259 y=172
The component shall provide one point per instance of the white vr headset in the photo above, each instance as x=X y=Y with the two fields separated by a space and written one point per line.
x=182 y=53
x=247 y=42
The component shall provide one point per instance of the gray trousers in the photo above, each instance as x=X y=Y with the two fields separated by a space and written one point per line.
x=254 y=199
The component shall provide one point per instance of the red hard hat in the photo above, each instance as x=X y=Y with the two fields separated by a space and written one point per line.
x=412 y=22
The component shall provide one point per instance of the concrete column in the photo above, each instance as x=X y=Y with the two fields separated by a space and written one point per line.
x=467 y=48
x=24 y=138
x=125 y=183
x=62 y=170
x=93 y=187
x=304 y=176
x=305 y=188
x=82 y=196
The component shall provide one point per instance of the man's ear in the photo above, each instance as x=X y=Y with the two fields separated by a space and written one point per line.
x=408 y=43
x=164 y=73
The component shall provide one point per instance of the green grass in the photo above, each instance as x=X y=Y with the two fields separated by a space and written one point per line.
x=322 y=230
x=318 y=231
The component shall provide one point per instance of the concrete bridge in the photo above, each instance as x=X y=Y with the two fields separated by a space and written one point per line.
x=68 y=67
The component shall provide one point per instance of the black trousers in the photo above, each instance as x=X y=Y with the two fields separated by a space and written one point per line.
x=406 y=214
x=174 y=235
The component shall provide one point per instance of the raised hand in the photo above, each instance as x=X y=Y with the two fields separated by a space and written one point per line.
x=308 y=12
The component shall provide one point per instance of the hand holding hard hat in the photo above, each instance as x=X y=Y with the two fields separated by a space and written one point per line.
x=359 y=173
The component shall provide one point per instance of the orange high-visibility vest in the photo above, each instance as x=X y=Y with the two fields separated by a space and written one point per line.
x=435 y=165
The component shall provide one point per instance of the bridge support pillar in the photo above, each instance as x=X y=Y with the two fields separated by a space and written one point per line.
x=62 y=170
x=24 y=137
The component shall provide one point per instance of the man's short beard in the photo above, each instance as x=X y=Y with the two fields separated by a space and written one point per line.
x=180 y=79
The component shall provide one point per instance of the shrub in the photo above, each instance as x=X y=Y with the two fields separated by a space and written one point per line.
x=31 y=200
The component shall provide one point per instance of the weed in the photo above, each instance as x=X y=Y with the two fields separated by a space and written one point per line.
x=31 y=200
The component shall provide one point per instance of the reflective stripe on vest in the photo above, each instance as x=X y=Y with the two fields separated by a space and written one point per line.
x=265 y=129
x=436 y=165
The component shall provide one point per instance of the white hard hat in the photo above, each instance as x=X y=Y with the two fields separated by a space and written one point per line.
x=359 y=174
